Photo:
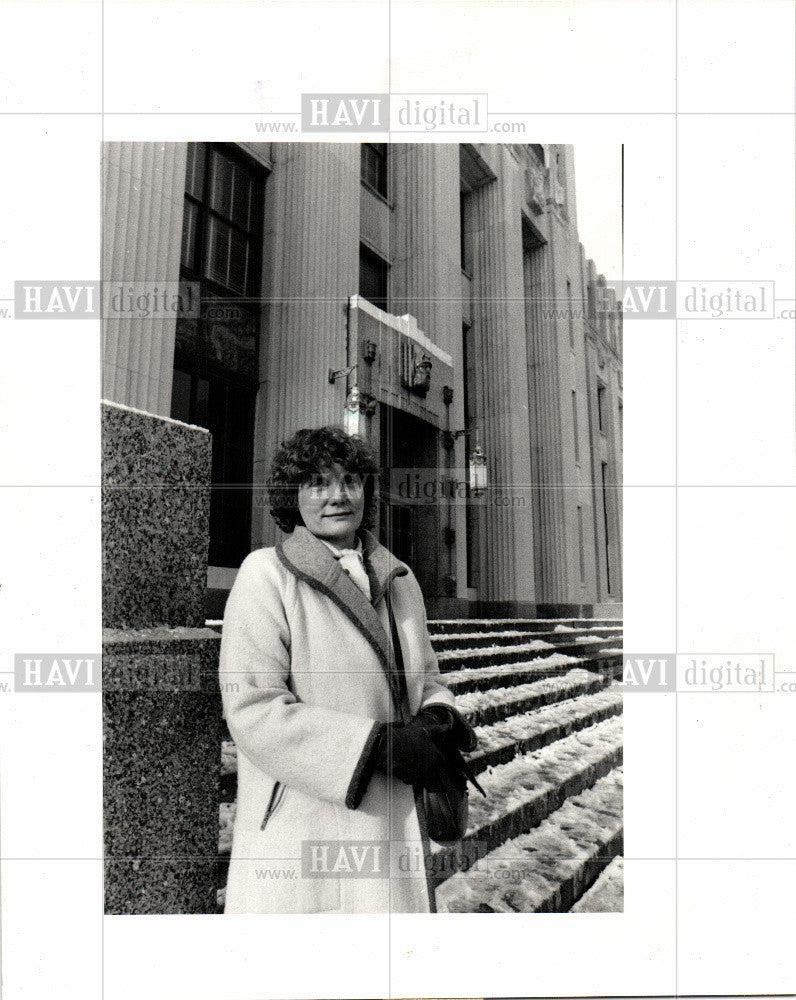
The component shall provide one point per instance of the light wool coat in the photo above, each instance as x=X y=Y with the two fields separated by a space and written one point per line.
x=307 y=675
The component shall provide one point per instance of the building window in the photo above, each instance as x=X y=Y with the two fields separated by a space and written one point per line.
x=374 y=166
x=571 y=317
x=575 y=433
x=581 y=546
x=216 y=353
x=591 y=304
x=373 y=277
x=602 y=414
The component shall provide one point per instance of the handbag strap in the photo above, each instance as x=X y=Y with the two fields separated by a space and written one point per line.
x=403 y=705
x=406 y=717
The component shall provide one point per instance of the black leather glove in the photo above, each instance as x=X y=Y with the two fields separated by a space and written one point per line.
x=410 y=754
x=446 y=726
x=452 y=734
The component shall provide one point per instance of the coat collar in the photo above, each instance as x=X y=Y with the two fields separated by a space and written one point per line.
x=313 y=562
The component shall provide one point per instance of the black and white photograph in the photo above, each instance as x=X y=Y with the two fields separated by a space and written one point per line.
x=398 y=436
x=364 y=478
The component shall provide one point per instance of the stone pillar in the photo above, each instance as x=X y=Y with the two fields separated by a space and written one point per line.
x=311 y=268
x=506 y=541
x=425 y=271
x=546 y=396
x=162 y=722
x=143 y=190
x=426 y=282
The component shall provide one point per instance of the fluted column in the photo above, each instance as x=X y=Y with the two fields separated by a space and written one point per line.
x=506 y=541
x=311 y=268
x=143 y=188
x=546 y=424
x=425 y=267
x=425 y=281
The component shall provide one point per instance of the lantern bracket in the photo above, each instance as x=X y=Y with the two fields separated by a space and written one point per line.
x=335 y=375
x=449 y=438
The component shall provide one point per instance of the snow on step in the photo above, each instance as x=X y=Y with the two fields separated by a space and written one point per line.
x=504 y=739
x=548 y=868
x=512 y=785
x=484 y=677
x=442 y=626
x=463 y=654
x=502 y=634
x=482 y=707
x=513 y=621
x=607 y=895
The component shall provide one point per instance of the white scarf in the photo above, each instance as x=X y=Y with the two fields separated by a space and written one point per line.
x=352 y=562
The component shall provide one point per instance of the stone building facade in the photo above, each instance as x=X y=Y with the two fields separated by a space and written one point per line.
x=446 y=286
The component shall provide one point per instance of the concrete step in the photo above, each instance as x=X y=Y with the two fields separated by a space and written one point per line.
x=484 y=707
x=519 y=734
x=443 y=626
x=512 y=637
x=607 y=895
x=504 y=675
x=469 y=659
x=549 y=868
x=525 y=791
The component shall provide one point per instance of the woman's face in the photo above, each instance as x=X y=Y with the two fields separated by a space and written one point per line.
x=332 y=504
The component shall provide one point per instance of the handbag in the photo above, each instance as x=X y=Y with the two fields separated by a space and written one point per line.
x=446 y=810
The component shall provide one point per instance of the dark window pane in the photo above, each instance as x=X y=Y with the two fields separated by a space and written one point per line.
x=189 y=220
x=241 y=198
x=601 y=407
x=221 y=180
x=230 y=190
x=374 y=165
x=373 y=278
x=195 y=169
x=227 y=256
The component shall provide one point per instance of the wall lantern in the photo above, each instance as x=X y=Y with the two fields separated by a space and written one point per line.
x=478 y=470
x=353 y=413
x=358 y=404
x=478 y=474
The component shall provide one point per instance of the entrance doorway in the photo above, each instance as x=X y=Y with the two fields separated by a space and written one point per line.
x=409 y=525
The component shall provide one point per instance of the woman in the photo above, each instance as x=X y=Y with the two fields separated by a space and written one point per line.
x=330 y=766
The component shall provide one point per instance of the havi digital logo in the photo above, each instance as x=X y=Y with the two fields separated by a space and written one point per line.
x=46 y=672
x=345 y=112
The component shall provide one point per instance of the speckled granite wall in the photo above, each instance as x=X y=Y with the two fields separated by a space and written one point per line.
x=162 y=732
x=155 y=519
x=162 y=723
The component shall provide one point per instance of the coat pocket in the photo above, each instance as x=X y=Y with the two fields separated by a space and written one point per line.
x=274 y=802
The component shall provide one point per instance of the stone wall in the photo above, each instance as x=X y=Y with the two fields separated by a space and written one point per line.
x=162 y=723
x=155 y=519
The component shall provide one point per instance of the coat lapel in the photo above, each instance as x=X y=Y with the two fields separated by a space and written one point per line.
x=311 y=561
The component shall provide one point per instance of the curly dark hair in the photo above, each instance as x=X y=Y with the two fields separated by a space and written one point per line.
x=306 y=454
